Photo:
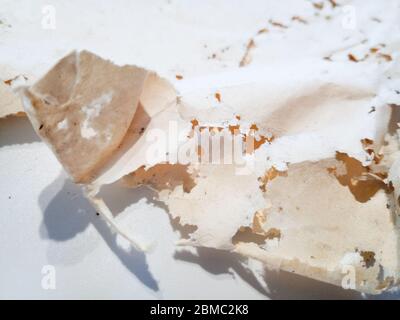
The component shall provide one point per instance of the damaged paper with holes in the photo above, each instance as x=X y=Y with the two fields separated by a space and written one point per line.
x=315 y=194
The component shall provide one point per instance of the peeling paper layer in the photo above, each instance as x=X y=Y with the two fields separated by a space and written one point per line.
x=318 y=195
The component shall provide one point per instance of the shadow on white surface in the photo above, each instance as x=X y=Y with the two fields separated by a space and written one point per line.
x=221 y=262
x=17 y=130
x=286 y=285
x=66 y=213
x=281 y=285
x=290 y=286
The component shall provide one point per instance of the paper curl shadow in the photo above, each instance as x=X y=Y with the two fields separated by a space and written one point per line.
x=290 y=286
x=221 y=262
x=66 y=213
x=16 y=130
x=281 y=285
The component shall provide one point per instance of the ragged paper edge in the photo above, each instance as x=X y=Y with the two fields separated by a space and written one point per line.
x=107 y=213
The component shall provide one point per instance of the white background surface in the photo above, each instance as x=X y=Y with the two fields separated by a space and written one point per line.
x=44 y=219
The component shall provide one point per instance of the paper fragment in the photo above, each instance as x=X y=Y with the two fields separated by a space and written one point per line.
x=96 y=99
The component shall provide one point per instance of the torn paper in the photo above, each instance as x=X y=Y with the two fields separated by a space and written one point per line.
x=308 y=191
